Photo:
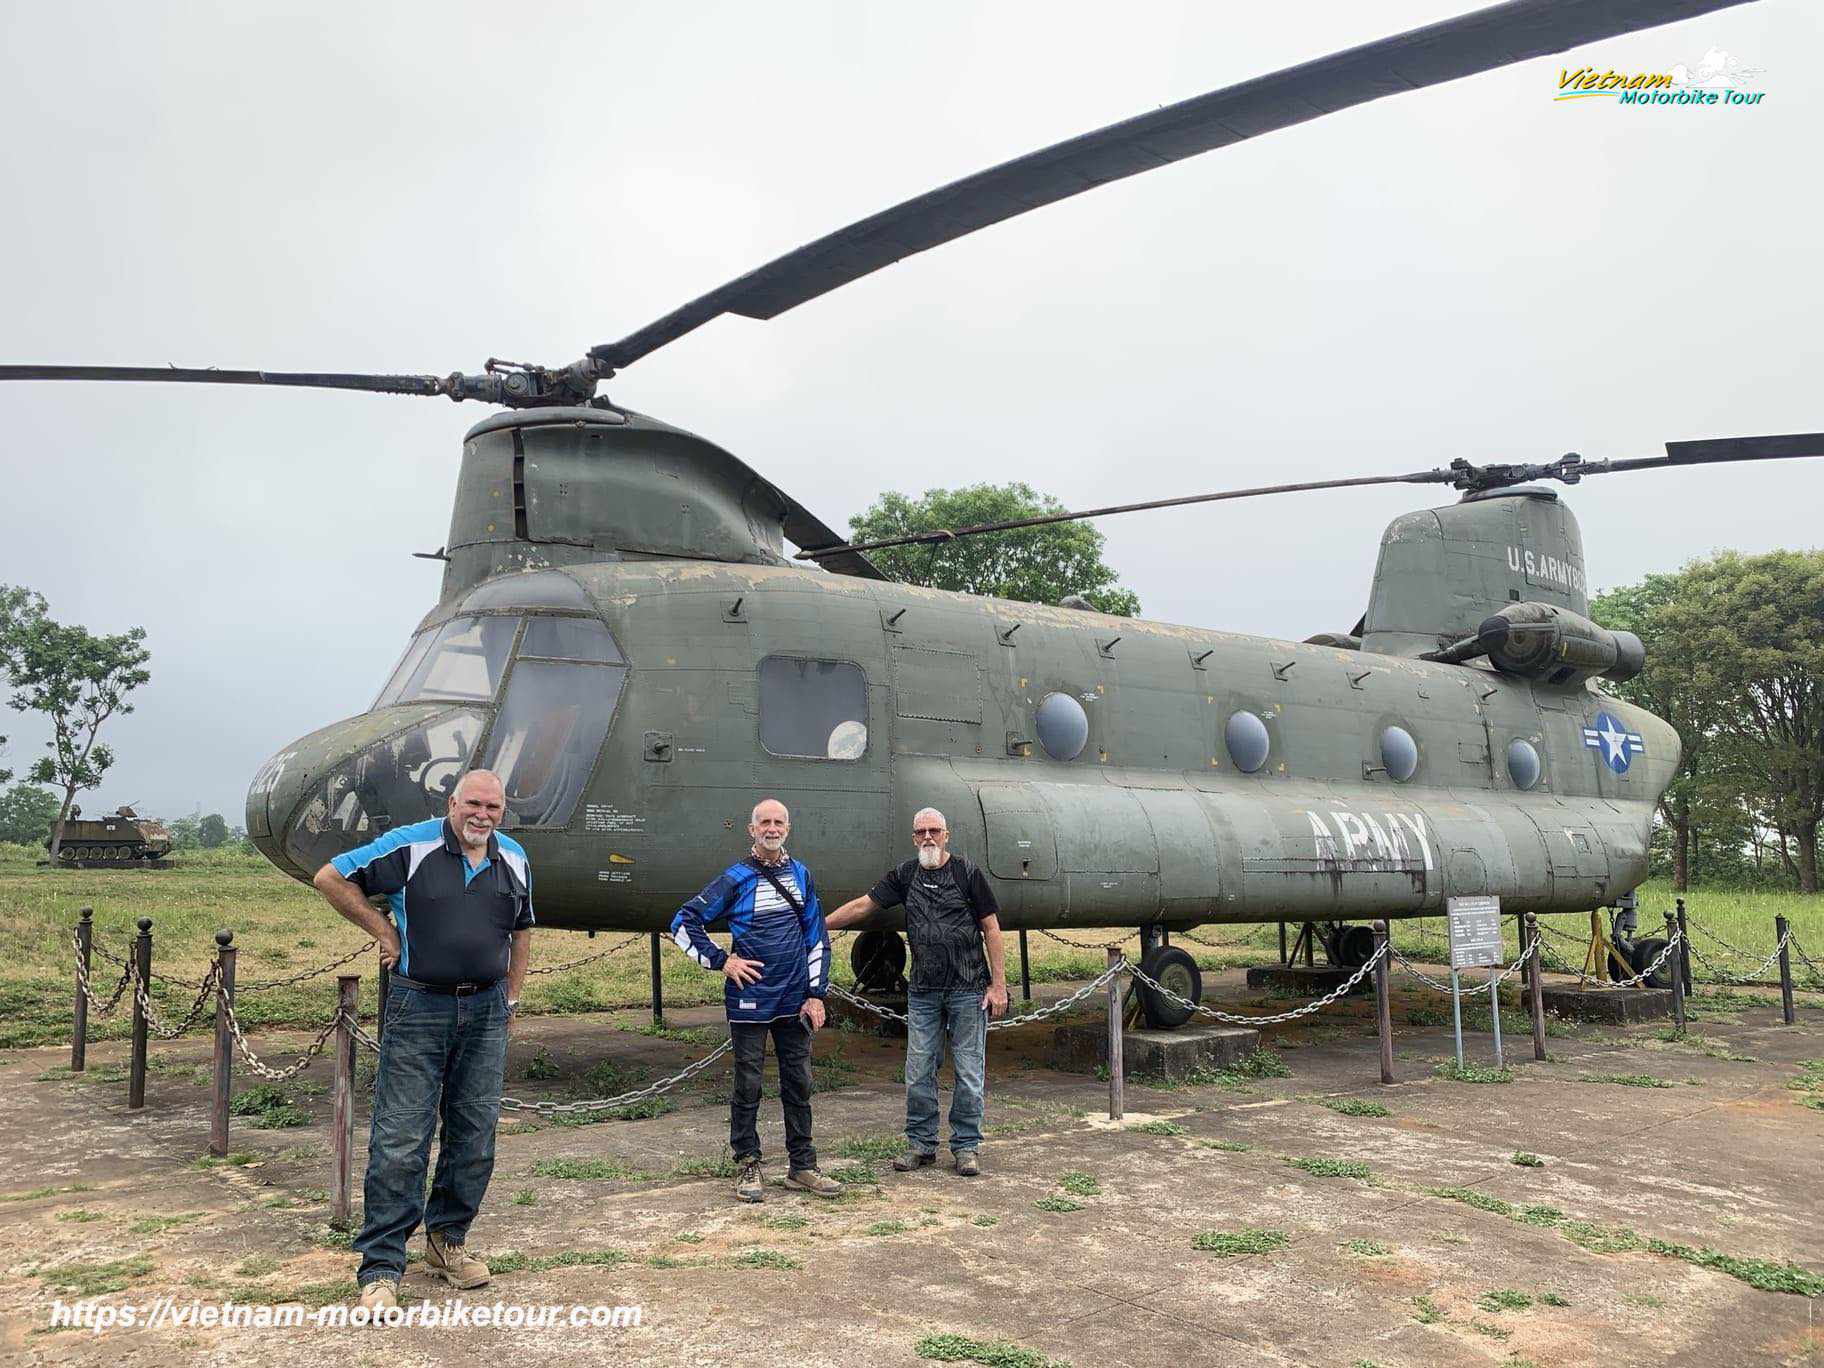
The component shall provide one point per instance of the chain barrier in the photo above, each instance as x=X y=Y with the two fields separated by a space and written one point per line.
x=1195 y=939
x=362 y=1038
x=265 y=984
x=1078 y=945
x=1475 y=990
x=614 y=949
x=267 y=1071
x=626 y=1099
x=1341 y=990
x=82 y=980
x=158 y=1028
x=1057 y=1008
x=1817 y=974
x=1723 y=975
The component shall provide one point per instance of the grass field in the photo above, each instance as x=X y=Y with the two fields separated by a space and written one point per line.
x=283 y=928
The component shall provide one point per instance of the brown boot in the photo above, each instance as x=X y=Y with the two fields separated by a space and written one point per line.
x=812 y=1181
x=378 y=1297
x=460 y=1269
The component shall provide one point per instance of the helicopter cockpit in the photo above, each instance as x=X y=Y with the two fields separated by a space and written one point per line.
x=522 y=680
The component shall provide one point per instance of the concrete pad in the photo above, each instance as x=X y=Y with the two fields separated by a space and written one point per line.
x=1620 y=1005
x=1169 y=1055
x=1304 y=980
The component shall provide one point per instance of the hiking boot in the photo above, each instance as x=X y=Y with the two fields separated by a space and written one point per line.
x=378 y=1297
x=913 y=1159
x=811 y=1181
x=460 y=1269
x=749 y=1184
x=966 y=1164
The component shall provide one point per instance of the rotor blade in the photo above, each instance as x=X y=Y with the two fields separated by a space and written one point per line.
x=944 y=534
x=379 y=384
x=1480 y=41
x=1709 y=450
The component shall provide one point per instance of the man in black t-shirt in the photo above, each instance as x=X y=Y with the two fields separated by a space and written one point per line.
x=954 y=930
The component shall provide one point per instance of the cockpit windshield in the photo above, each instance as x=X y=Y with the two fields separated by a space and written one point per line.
x=462 y=661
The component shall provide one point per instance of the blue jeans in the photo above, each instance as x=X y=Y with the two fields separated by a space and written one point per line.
x=442 y=1058
x=956 y=1016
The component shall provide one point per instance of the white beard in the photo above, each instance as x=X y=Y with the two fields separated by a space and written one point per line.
x=772 y=845
x=930 y=857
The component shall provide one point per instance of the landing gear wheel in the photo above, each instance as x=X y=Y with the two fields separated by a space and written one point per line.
x=1171 y=968
x=1354 y=947
x=1643 y=952
x=879 y=961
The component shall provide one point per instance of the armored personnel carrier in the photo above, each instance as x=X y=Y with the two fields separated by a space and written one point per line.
x=120 y=838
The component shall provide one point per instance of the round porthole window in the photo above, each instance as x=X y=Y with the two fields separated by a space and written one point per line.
x=1247 y=740
x=1399 y=753
x=1063 y=726
x=1523 y=764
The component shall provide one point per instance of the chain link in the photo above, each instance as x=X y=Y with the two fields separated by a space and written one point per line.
x=614 y=949
x=1078 y=945
x=82 y=981
x=596 y=1104
x=1672 y=943
x=191 y=1017
x=1725 y=976
x=1057 y=1008
x=267 y=1071
x=1475 y=990
x=1342 y=989
x=266 y=984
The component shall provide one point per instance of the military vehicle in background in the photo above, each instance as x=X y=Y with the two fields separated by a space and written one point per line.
x=114 y=841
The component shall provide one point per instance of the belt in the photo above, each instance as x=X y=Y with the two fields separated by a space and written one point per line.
x=445 y=989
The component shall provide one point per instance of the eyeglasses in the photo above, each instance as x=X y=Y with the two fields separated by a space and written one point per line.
x=927 y=831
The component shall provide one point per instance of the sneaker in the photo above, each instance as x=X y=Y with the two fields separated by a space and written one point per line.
x=913 y=1159
x=811 y=1181
x=749 y=1185
x=378 y=1297
x=966 y=1164
x=460 y=1269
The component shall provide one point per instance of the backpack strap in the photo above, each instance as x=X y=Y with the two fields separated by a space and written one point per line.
x=782 y=889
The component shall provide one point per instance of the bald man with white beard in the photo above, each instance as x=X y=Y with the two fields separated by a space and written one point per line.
x=958 y=982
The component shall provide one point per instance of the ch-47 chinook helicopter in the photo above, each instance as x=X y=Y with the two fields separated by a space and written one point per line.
x=623 y=637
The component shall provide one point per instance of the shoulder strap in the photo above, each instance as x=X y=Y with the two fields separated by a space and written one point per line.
x=959 y=875
x=783 y=890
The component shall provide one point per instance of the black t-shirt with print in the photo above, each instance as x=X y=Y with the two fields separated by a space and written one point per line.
x=944 y=911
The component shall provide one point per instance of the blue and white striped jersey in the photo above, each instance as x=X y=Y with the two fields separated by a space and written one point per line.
x=793 y=946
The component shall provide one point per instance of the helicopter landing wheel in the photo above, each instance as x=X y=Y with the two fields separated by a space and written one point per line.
x=1351 y=948
x=1643 y=952
x=1171 y=968
x=879 y=961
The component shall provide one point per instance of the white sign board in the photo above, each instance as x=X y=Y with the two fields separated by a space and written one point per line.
x=1475 y=931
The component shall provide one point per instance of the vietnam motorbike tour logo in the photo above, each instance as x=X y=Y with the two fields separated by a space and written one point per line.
x=1719 y=79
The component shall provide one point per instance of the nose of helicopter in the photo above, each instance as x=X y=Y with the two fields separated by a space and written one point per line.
x=343 y=785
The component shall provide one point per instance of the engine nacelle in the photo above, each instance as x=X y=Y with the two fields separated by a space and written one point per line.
x=1556 y=646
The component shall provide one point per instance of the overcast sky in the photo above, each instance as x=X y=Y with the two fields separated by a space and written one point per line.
x=1472 y=270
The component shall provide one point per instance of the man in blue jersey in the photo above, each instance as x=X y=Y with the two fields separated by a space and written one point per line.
x=458 y=939
x=778 y=971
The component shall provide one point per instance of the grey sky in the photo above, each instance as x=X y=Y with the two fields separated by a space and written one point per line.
x=1473 y=270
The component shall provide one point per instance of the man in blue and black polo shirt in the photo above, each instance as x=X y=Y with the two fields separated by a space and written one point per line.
x=458 y=940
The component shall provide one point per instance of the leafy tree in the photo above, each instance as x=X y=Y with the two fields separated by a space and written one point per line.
x=76 y=679
x=1032 y=564
x=212 y=831
x=186 y=833
x=26 y=814
x=1750 y=630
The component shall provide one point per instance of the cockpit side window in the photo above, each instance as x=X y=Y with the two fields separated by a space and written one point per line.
x=816 y=709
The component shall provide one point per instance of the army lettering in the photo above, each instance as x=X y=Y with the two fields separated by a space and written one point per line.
x=1547 y=569
x=1388 y=839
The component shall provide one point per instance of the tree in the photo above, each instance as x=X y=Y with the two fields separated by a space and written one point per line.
x=212 y=831
x=76 y=679
x=26 y=814
x=1032 y=564
x=1750 y=630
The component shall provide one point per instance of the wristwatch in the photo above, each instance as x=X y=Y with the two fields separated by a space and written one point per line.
x=512 y=1006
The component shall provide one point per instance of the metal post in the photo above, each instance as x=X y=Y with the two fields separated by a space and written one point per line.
x=79 y=1032
x=224 y=1043
x=1526 y=964
x=1116 y=1065
x=1383 y=1007
x=1678 y=977
x=385 y=986
x=658 y=997
x=1684 y=947
x=342 y=1115
x=1780 y=933
x=1025 y=970
x=1310 y=945
x=1494 y=1008
x=1536 y=988
x=142 y=960
x=1456 y=1014
x=1282 y=945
